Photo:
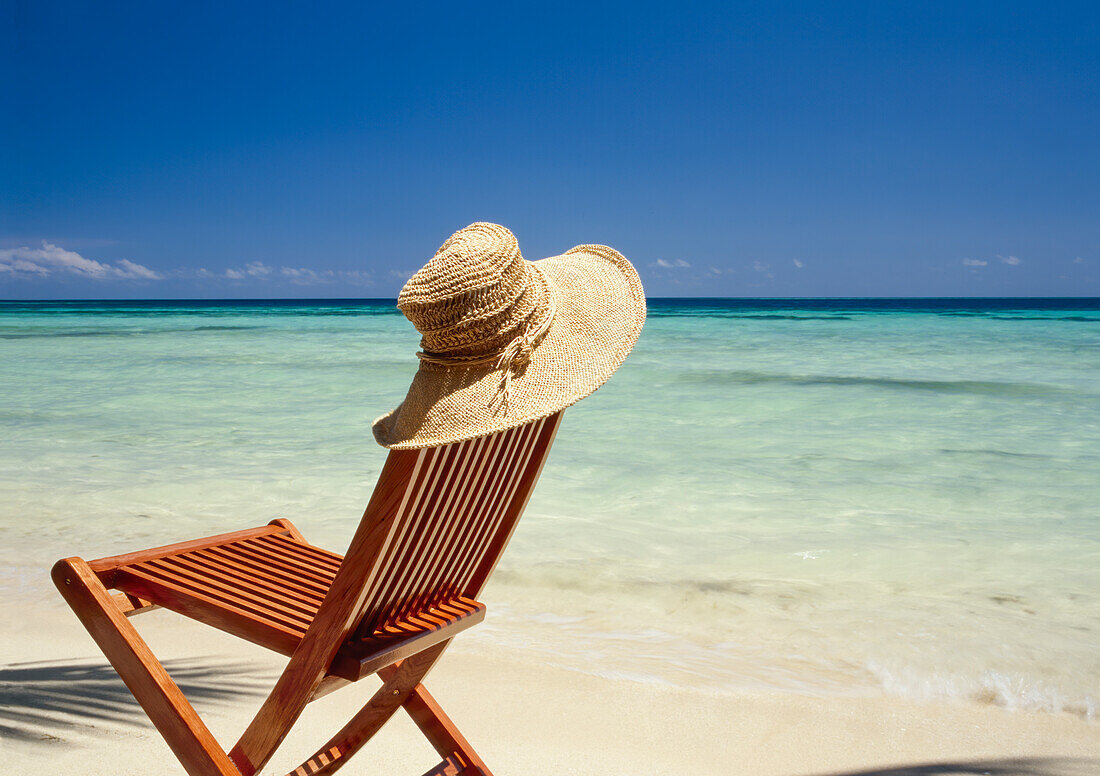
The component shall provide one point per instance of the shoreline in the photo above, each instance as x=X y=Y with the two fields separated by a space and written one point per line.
x=521 y=717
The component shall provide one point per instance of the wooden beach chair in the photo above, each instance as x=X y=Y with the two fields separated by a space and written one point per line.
x=433 y=531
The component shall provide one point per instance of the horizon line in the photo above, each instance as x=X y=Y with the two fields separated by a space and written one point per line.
x=648 y=298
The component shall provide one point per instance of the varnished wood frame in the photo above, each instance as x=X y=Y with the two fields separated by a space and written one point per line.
x=308 y=675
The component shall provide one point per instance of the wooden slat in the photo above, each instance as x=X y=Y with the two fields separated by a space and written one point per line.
x=252 y=586
x=302 y=549
x=277 y=575
x=495 y=509
x=262 y=594
x=364 y=657
x=393 y=572
x=475 y=508
x=473 y=586
x=221 y=591
x=506 y=441
x=287 y=564
x=223 y=615
x=106 y=564
x=433 y=522
x=473 y=512
x=131 y=605
x=374 y=597
x=307 y=564
x=463 y=517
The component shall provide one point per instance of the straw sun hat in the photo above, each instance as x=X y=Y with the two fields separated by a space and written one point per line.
x=507 y=341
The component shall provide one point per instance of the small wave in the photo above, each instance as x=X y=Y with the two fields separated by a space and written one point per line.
x=224 y=328
x=116 y=332
x=991 y=317
x=792 y=317
x=1079 y=318
x=994 y=688
x=55 y=334
x=989 y=387
x=1002 y=453
x=756 y=316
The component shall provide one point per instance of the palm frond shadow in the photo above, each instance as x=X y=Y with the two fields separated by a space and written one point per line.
x=1025 y=766
x=42 y=701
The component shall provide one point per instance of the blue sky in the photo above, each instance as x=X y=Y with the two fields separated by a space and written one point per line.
x=767 y=149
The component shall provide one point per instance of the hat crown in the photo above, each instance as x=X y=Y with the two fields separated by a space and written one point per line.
x=473 y=259
x=473 y=294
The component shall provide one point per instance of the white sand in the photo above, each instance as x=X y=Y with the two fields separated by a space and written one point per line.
x=522 y=718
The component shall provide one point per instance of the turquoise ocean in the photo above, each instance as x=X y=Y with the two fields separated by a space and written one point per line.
x=807 y=496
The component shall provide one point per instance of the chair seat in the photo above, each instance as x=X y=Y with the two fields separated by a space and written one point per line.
x=266 y=586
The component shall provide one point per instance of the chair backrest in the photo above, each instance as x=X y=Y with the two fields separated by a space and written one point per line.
x=436 y=525
x=440 y=520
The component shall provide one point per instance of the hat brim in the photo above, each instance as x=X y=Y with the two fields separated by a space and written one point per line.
x=600 y=309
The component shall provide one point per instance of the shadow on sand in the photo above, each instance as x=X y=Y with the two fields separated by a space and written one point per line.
x=1026 y=766
x=44 y=701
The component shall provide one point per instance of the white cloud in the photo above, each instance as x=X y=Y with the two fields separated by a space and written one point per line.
x=22 y=265
x=128 y=269
x=303 y=276
x=299 y=276
x=1012 y=260
x=799 y=264
x=974 y=263
x=763 y=268
x=356 y=276
x=678 y=264
x=1078 y=260
x=50 y=259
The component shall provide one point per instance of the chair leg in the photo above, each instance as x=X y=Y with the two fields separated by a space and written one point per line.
x=449 y=767
x=400 y=681
x=167 y=707
x=438 y=728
